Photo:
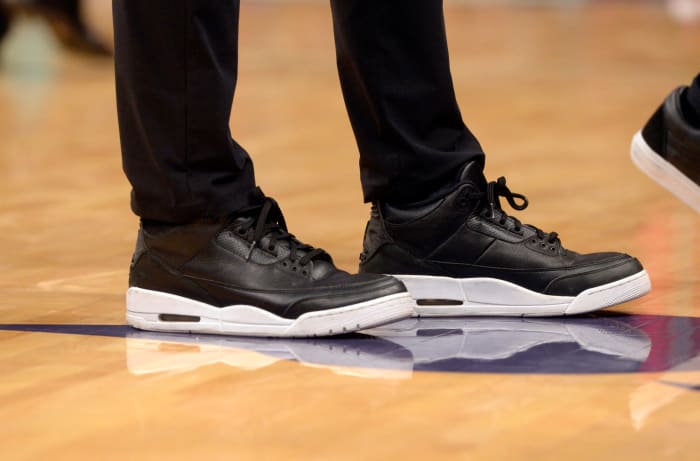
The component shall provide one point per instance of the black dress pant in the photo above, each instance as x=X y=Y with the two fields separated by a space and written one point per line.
x=176 y=66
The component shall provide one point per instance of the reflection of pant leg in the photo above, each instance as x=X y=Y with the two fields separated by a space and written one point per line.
x=176 y=65
x=395 y=74
x=692 y=106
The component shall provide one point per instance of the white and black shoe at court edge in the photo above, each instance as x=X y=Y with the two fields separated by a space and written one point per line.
x=667 y=149
x=463 y=255
x=246 y=275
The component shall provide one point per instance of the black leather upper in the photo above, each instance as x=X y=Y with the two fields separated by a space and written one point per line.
x=457 y=237
x=211 y=261
x=670 y=135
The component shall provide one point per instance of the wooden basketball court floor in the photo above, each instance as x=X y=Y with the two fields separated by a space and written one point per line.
x=554 y=95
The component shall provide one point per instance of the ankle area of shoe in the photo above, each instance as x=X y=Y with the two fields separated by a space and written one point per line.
x=671 y=125
x=177 y=243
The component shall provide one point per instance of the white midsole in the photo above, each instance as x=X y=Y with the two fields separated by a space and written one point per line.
x=145 y=308
x=661 y=171
x=488 y=296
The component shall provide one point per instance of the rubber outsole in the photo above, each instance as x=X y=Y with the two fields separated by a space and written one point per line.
x=450 y=297
x=664 y=173
x=158 y=311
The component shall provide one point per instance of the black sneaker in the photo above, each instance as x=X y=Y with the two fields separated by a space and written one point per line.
x=248 y=276
x=463 y=255
x=668 y=150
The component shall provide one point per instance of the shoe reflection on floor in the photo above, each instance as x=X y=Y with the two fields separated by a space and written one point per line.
x=352 y=355
x=606 y=343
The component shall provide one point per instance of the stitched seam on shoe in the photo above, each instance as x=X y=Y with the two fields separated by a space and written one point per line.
x=177 y=273
x=493 y=242
x=578 y=274
x=543 y=269
x=348 y=286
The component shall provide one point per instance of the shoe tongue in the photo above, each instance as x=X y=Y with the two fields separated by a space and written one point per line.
x=322 y=269
x=473 y=172
x=242 y=220
x=322 y=265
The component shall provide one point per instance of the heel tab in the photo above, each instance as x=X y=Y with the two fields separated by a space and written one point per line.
x=376 y=234
x=141 y=247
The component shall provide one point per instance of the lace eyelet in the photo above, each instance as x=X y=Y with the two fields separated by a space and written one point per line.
x=270 y=248
x=305 y=272
x=285 y=264
x=543 y=245
x=294 y=268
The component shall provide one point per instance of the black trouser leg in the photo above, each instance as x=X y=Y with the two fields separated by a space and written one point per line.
x=176 y=66
x=395 y=74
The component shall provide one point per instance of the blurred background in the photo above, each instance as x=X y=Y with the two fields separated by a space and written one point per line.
x=86 y=25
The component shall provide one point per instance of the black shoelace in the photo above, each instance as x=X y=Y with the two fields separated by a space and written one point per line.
x=493 y=210
x=270 y=223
